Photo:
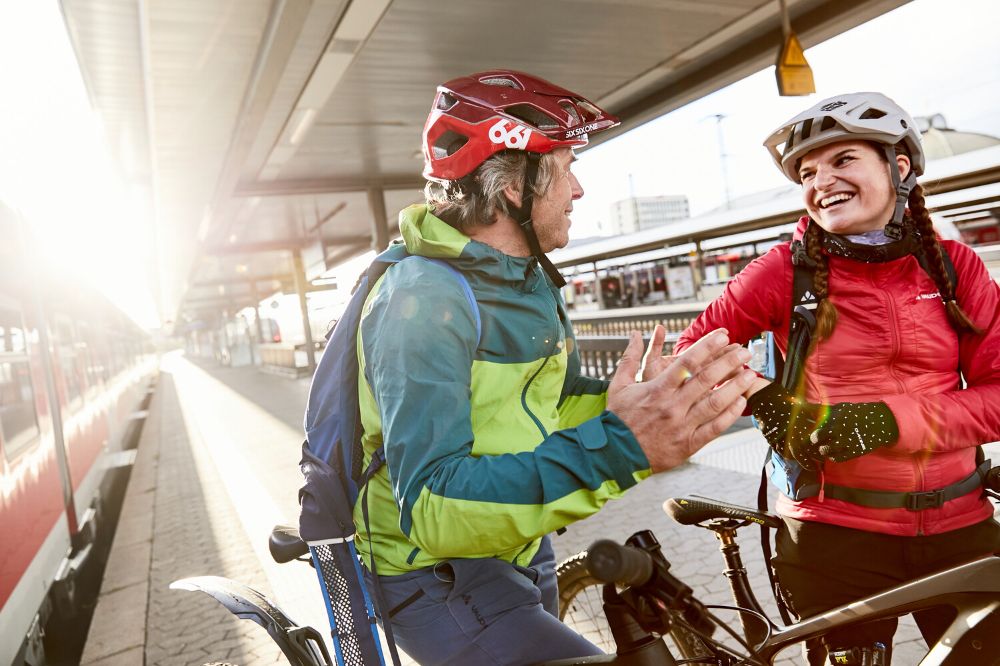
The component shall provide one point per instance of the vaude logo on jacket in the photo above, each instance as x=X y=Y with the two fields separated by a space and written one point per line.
x=924 y=297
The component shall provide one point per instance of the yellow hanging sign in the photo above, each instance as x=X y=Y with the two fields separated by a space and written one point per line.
x=792 y=71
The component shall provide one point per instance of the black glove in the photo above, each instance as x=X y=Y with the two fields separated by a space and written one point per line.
x=852 y=430
x=787 y=422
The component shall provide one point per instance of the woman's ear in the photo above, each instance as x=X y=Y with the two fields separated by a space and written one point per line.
x=903 y=162
x=513 y=194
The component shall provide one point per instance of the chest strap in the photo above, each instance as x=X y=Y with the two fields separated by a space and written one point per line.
x=919 y=501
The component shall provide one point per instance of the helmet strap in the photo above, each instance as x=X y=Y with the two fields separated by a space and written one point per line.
x=903 y=187
x=522 y=215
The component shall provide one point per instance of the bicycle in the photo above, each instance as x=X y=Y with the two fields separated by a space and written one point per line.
x=643 y=604
x=634 y=580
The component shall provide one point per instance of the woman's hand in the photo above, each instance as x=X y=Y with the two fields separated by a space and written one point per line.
x=759 y=384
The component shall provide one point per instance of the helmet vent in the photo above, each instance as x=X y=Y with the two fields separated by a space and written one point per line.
x=571 y=110
x=448 y=144
x=872 y=114
x=827 y=124
x=500 y=81
x=532 y=116
x=445 y=102
x=589 y=110
x=807 y=126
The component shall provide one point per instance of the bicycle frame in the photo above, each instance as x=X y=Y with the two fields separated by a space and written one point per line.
x=973 y=589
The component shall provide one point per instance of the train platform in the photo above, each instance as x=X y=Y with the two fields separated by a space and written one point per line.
x=217 y=468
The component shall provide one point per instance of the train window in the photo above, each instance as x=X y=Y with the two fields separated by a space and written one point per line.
x=69 y=363
x=88 y=354
x=18 y=420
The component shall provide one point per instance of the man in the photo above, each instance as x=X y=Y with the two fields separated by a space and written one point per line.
x=493 y=439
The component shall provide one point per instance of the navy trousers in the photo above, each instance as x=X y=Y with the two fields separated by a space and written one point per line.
x=481 y=611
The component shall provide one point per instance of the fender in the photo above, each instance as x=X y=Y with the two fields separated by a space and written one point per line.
x=303 y=646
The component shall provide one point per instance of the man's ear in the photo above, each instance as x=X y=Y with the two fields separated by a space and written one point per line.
x=513 y=194
x=903 y=162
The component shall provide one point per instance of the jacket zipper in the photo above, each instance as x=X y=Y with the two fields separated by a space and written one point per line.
x=524 y=399
x=527 y=385
x=896 y=345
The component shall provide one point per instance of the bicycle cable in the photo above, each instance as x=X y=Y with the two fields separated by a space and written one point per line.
x=748 y=611
x=751 y=658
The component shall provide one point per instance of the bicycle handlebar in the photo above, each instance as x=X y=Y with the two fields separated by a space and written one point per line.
x=611 y=562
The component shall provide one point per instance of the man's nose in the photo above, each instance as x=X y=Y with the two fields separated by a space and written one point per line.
x=576 y=187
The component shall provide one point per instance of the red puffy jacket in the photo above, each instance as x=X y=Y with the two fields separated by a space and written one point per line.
x=892 y=342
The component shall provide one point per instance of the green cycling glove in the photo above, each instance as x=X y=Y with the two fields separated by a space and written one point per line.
x=786 y=422
x=854 y=429
x=808 y=432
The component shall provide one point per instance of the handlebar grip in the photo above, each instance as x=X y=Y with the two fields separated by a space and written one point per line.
x=611 y=562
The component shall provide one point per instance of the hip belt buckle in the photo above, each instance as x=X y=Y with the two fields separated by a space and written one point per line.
x=933 y=499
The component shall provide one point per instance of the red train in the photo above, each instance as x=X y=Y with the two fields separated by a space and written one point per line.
x=73 y=371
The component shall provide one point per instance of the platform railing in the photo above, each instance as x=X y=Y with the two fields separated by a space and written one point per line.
x=602 y=335
x=286 y=359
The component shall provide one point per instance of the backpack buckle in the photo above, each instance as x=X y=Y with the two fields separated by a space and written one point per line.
x=933 y=499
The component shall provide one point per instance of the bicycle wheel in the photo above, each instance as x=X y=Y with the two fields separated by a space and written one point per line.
x=581 y=607
x=580 y=604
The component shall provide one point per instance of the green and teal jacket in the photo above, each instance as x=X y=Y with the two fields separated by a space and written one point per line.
x=490 y=443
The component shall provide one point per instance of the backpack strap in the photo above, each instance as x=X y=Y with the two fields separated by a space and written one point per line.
x=801 y=323
x=378 y=457
x=949 y=266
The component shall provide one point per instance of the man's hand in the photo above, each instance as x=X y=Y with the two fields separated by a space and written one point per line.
x=684 y=402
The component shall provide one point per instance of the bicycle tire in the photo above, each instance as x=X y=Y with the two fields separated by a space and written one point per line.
x=581 y=608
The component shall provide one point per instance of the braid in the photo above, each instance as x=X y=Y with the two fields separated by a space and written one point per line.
x=826 y=313
x=933 y=253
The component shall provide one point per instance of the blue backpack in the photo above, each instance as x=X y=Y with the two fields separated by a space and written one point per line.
x=331 y=463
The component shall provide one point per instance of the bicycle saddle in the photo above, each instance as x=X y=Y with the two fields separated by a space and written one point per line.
x=285 y=544
x=695 y=509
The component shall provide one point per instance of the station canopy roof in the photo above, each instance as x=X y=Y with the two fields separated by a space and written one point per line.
x=261 y=127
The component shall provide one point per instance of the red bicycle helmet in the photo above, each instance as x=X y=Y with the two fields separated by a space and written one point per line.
x=479 y=115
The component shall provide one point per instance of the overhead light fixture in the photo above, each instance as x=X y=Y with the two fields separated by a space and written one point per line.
x=303 y=121
x=793 y=73
x=355 y=27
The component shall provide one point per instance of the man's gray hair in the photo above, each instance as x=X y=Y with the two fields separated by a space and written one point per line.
x=464 y=210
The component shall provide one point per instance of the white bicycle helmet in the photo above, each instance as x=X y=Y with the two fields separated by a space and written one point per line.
x=866 y=116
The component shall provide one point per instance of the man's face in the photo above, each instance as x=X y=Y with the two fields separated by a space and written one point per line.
x=550 y=212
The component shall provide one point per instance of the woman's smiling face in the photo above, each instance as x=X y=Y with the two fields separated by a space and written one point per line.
x=846 y=186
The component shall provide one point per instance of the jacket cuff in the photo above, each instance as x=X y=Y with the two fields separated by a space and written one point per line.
x=607 y=436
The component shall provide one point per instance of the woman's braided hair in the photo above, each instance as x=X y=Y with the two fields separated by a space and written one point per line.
x=935 y=261
x=826 y=312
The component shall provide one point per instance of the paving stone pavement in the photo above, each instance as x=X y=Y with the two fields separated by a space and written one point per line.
x=197 y=532
x=185 y=522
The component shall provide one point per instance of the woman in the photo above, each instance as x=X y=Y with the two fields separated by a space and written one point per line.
x=880 y=407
